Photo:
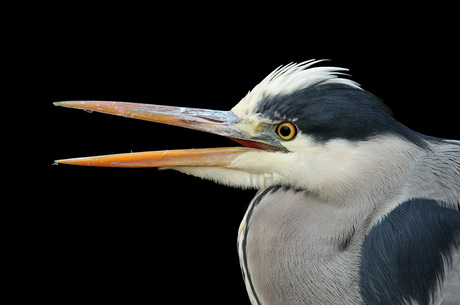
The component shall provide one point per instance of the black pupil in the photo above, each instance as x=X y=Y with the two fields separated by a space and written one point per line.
x=285 y=131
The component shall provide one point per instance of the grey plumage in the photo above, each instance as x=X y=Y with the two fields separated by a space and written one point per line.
x=303 y=248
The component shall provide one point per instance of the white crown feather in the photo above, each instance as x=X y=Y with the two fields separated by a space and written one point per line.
x=288 y=79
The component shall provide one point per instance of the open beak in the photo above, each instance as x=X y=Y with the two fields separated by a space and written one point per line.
x=223 y=123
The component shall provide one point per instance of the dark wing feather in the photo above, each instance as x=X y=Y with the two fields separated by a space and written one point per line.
x=412 y=255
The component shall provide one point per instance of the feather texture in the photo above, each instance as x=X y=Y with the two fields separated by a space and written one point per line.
x=290 y=78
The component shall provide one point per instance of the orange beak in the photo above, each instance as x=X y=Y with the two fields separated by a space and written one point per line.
x=223 y=123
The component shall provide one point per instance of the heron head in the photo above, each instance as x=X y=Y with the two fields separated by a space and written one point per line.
x=299 y=122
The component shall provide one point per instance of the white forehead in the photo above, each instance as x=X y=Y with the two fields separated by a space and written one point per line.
x=287 y=80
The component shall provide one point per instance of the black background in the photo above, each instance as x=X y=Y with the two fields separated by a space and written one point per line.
x=140 y=234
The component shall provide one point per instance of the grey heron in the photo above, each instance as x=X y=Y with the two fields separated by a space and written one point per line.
x=352 y=206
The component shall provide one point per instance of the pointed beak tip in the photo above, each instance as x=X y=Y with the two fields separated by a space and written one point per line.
x=63 y=161
x=62 y=103
x=67 y=104
x=72 y=104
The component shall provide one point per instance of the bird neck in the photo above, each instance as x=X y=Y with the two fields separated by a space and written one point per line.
x=366 y=171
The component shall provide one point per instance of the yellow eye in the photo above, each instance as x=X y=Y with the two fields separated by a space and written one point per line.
x=286 y=131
